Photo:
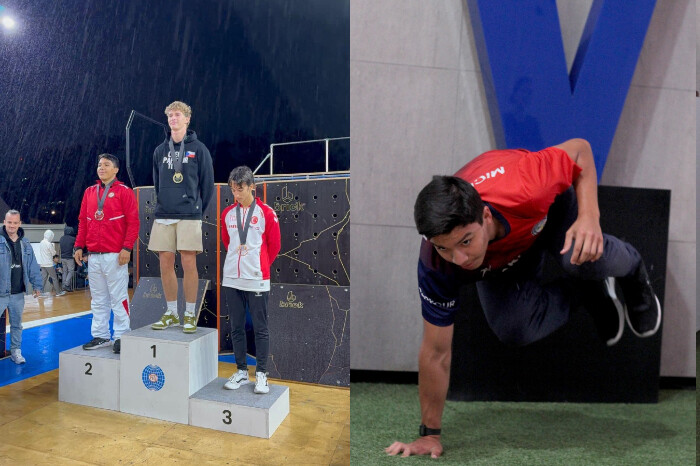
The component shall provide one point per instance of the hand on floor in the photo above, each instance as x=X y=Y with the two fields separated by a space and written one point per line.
x=428 y=445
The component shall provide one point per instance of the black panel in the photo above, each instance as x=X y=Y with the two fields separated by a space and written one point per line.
x=315 y=224
x=310 y=334
x=573 y=363
x=148 y=265
x=148 y=303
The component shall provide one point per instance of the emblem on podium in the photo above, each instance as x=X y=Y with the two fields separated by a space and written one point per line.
x=153 y=377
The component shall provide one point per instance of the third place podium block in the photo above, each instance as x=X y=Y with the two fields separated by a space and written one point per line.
x=161 y=369
x=239 y=411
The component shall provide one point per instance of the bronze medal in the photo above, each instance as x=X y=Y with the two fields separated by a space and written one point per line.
x=99 y=215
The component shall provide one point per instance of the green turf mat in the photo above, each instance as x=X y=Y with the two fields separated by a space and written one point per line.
x=497 y=433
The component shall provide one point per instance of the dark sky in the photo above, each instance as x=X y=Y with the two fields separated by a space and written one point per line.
x=254 y=72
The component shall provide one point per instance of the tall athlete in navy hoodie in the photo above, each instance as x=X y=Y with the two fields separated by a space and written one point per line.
x=183 y=178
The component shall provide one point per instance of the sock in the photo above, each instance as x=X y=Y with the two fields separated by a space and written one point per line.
x=189 y=308
x=172 y=308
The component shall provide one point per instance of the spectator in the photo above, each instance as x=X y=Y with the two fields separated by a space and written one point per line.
x=66 y=243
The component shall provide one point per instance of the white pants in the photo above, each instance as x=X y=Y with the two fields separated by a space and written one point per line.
x=109 y=283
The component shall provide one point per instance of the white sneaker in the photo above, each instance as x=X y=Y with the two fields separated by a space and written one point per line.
x=261 y=383
x=61 y=293
x=237 y=379
x=16 y=356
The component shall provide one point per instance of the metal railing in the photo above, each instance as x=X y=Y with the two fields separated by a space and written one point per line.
x=128 y=141
x=271 y=154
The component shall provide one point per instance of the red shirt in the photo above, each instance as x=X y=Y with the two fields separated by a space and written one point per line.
x=118 y=229
x=519 y=187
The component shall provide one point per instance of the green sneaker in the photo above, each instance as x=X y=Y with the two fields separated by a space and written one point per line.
x=190 y=325
x=168 y=320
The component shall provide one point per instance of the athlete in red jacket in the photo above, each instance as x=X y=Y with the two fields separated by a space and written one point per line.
x=109 y=226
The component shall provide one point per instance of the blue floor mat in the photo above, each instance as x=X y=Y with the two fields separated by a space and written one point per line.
x=41 y=345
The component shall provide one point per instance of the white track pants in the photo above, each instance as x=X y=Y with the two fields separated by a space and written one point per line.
x=109 y=283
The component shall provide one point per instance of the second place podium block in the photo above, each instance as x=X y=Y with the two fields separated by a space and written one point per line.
x=89 y=378
x=161 y=369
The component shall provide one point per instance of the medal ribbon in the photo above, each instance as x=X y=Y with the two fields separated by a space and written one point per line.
x=177 y=161
x=243 y=230
x=101 y=202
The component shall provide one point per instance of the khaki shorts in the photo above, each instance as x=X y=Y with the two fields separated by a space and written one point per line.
x=185 y=235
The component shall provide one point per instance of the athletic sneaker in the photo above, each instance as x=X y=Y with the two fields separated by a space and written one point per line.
x=190 y=325
x=603 y=300
x=96 y=343
x=237 y=379
x=117 y=346
x=261 y=386
x=16 y=356
x=167 y=320
x=44 y=295
x=643 y=312
x=61 y=293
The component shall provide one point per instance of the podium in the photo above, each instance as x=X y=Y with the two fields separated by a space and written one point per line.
x=169 y=375
x=160 y=369
x=89 y=378
x=239 y=411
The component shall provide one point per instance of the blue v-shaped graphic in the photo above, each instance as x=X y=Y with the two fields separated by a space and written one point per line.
x=534 y=102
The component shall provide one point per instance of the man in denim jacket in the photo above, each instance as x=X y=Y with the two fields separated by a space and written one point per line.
x=18 y=268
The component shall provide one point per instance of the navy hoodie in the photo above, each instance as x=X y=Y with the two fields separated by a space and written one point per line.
x=188 y=199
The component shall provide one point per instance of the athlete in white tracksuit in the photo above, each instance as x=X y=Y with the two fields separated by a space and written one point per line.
x=108 y=225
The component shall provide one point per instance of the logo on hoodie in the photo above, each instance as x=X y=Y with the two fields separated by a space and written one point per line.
x=169 y=160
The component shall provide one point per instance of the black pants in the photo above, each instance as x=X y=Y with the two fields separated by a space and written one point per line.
x=520 y=306
x=256 y=302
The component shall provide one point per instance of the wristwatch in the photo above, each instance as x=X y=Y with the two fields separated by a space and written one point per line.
x=423 y=431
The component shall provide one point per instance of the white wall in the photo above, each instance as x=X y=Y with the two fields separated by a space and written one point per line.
x=418 y=108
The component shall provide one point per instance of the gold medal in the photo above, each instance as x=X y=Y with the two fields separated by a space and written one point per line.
x=177 y=177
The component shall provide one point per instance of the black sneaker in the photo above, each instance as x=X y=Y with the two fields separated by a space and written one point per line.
x=603 y=300
x=117 y=347
x=643 y=311
x=96 y=343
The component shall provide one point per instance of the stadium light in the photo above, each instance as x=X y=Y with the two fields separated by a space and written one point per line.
x=7 y=21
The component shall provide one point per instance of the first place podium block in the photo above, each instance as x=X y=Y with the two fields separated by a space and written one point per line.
x=239 y=411
x=89 y=378
x=161 y=369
